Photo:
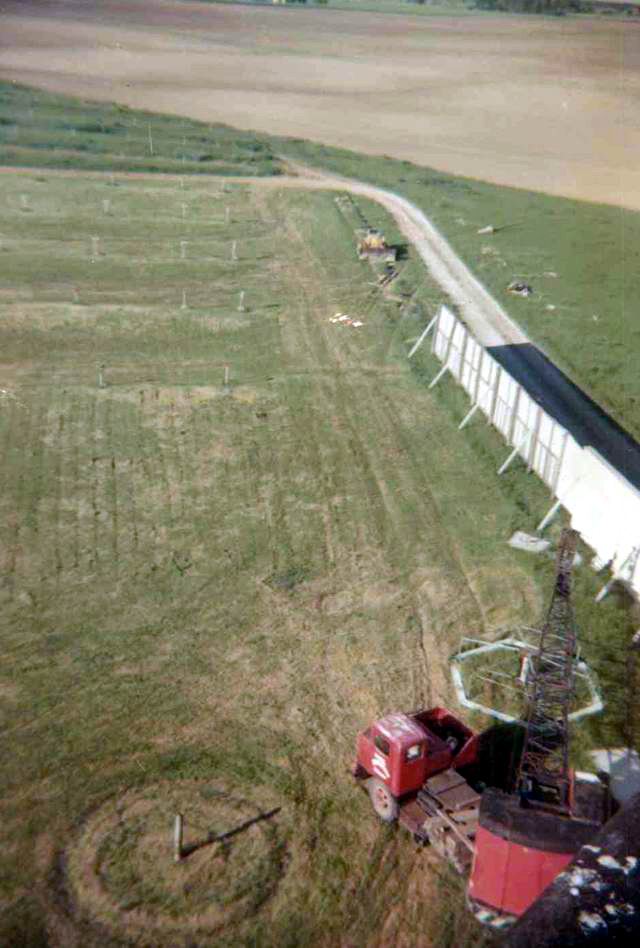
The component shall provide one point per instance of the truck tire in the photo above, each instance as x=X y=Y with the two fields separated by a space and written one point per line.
x=382 y=800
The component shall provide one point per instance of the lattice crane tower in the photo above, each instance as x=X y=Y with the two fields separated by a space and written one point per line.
x=544 y=775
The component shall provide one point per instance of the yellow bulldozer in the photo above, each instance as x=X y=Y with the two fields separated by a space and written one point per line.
x=373 y=245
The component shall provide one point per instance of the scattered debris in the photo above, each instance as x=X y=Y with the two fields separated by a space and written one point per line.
x=551 y=273
x=488 y=230
x=519 y=288
x=591 y=920
x=385 y=278
x=595 y=318
x=346 y=320
x=578 y=878
x=622 y=909
x=609 y=862
x=524 y=541
x=550 y=307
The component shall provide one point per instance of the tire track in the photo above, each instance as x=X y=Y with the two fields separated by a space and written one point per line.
x=394 y=525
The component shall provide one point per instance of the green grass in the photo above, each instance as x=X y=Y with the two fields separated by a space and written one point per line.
x=184 y=562
x=169 y=543
x=433 y=8
x=222 y=584
x=47 y=130
x=594 y=250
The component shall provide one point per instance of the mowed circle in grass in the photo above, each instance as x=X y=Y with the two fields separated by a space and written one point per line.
x=122 y=873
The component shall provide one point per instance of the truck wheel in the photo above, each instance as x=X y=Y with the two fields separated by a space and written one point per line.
x=382 y=800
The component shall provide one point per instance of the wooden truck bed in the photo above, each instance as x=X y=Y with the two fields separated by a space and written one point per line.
x=444 y=814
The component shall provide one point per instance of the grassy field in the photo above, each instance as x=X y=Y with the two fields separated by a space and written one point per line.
x=42 y=130
x=208 y=588
x=581 y=259
x=428 y=8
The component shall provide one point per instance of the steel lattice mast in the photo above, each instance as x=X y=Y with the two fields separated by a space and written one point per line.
x=544 y=769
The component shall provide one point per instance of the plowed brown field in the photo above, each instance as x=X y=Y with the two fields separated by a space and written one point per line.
x=546 y=104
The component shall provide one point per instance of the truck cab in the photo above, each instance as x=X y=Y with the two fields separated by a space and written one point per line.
x=403 y=750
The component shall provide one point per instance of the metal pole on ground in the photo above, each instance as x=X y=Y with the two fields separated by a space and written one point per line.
x=423 y=336
x=548 y=517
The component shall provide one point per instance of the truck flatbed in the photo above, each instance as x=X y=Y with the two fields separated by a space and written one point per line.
x=445 y=815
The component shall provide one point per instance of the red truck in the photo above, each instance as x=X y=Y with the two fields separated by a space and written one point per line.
x=410 y=765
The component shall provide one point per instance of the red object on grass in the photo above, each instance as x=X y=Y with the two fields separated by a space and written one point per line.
x=404 y=750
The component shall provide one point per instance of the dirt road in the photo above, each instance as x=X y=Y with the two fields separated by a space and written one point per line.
x=541 y=103
x=482 y=313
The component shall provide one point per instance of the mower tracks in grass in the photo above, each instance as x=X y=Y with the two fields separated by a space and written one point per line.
x=393 y=473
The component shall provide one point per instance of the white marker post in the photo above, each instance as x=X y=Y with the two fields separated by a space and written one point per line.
x=106 y=205
x=184 y=211
x=24 y=202
x=95 y=248
x=177 y=838
x=227 y=214
x=183 y=249
x=234 y=250
x=184 y=300
x=241 y=303
x=150 y=140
